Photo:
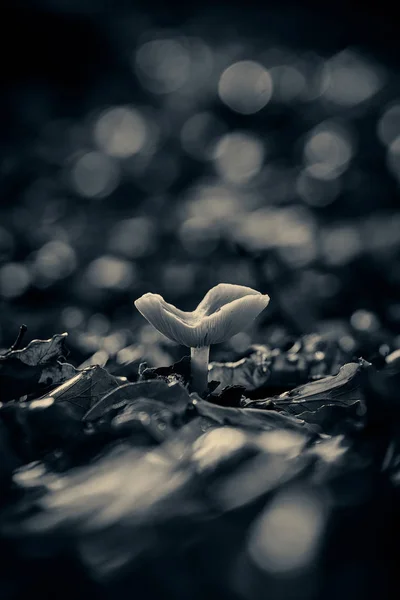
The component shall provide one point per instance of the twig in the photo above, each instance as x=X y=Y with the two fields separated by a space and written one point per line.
x=17 y=344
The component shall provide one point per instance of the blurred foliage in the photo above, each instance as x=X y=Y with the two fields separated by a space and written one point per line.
x=141 y=155
x=144 y=486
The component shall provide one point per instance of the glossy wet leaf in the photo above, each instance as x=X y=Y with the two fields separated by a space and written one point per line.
x=39 y=352
x=159 y=421
x=250 y=373
x=334 y=419
x=251 y=418
x=174 y=395
x=310 y=357
x=86 y=388
x=342 y=391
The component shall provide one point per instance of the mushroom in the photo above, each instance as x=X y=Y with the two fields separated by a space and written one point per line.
x=224 y=311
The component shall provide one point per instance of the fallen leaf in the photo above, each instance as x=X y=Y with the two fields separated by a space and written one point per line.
x=342 y=391
x=249 y=373
x=179 y=371
x=174 y=395
x=252 y=418
x=34 y=368
x=86 y=388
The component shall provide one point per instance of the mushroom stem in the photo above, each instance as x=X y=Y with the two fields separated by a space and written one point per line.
x=199 y=368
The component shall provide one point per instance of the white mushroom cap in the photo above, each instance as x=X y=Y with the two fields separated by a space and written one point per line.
x=224 y=311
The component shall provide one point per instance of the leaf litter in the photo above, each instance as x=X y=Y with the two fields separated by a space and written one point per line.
x=114 y=474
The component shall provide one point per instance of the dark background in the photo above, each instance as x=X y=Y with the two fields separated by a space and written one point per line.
x=64 y=62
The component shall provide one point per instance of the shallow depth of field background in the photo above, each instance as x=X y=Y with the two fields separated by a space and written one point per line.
x=148 y=150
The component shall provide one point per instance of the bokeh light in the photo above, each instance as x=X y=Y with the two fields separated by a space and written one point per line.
x=328 y=151
x=98 y=324
x=72 y=317
x=393 y=157
x=341 y=244
x=132 y=237
x=364 y=320
x=163 y=65
x=210 y=447
x=286 y=442
x=289 y=83
x=94 y=175
x=109 y=272
x=381 y=232
x=214 y=202
x=348 y=79
x=120 y=132
x=246 y=87
x=55 y=260
x=198 y=236
x=14 y=280
x=239 y=157
x=199 y=134
x=389 y=124
x=269 y=228
x=315 y=191
x=287 y=535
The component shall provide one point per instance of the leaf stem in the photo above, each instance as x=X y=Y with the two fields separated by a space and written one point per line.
x=17 y=344
x=199 y=368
